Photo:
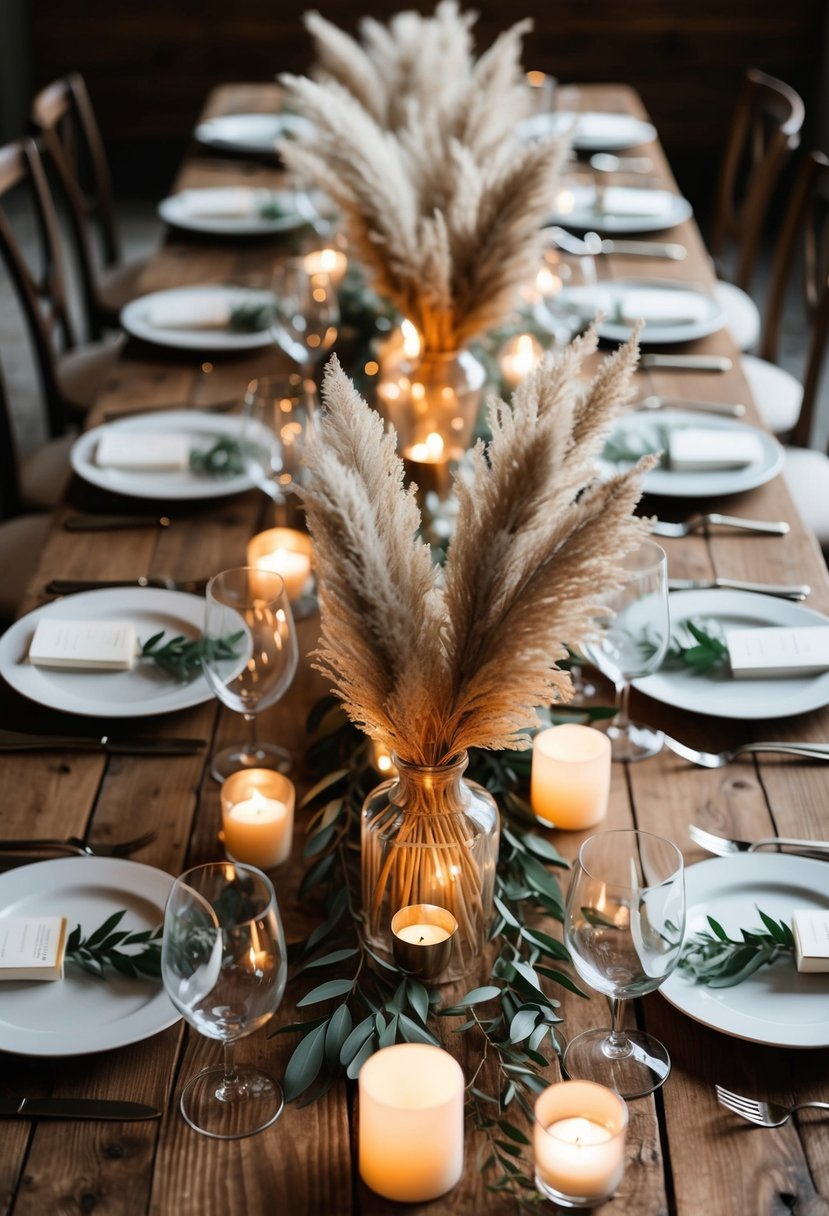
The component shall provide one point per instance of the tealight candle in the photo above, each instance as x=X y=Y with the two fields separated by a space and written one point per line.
x=411 y=1122
x=423 y=939
x=579 y=1143
x=258 y=817
x=382 y=760
x=332 y=262
x=286 y=551
x=570 y=779
x=518 y=357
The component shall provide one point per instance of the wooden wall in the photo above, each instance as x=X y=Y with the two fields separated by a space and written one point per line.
x=149 y=63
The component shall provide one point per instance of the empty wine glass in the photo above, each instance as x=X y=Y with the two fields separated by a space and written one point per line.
x=565 y=286
x=224 y=966
x=278 y=415
x=250 y=658
x=631 y=642
x=623 y=924
x=306 y=313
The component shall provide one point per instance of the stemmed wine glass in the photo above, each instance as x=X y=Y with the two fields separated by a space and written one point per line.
x=248 y=611
x=306 y=313
x=278 y=416
x=623 y=924
x=632 y=642
x=224 y=966
x=564 y=286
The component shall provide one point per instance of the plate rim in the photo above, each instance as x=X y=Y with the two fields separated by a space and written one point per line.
x=202 y=132
x=227 y=226
x=677 y=980
x=643 y=127
x=124 y=870
x=668 y=334
x=191 y=339
x=618 y=225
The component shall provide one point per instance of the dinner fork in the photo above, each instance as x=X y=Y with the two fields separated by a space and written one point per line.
x=724 y=846
x=68 y=586
x=808 y=751
x=764 y=1114
x=696 y=523
x=74 y=845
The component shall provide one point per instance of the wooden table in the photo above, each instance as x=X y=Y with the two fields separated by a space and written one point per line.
x=685 y=1154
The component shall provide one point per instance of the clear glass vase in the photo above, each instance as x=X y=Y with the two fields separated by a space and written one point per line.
x=433 y=402
x=430 y=837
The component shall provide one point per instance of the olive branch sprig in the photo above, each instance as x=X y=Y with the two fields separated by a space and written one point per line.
x=104 y=948
x=181 y=657
x=719 y=961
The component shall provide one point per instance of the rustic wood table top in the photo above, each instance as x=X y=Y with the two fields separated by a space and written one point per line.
x=685 y=1154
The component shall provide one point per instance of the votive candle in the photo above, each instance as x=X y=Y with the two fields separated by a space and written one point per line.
x=286 y=551
x=258 y=817
x=579 y=1143
x=423 y=939
x=570 y=778
x=518 y=357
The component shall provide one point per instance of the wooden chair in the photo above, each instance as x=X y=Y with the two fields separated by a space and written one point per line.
x=21 y=538
x=64 y=121
x=71 y=375
x=765 y=131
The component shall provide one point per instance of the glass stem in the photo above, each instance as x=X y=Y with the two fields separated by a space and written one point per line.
x=622 y=698
x=231 y=1089
x=616 y=1045
x=251 y=745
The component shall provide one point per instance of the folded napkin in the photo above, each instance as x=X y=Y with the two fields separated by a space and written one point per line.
x=107 y=645
x=695 y=449
x=205 y=310
x=760 y=654
x=230 y=202
x=143 y=450
x=627 y=200
x=662 y=307
x=595 y=125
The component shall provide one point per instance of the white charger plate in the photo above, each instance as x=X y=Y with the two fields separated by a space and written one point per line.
x=609 y=294
x=721 y=696
x=136 y=320
x=708 y=483
x=81 y=1013
x=592 y=130
x=176 y=210
x=576 y=208
x=172 y=485
x=777 y=1005
x=252 y=133
x=140 y=692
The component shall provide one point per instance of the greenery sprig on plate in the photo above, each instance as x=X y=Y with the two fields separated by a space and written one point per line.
x=181 y=657
x=105 y=948
x=696 y=643
x=252 y=318
x=719 y=961
x=226 y=457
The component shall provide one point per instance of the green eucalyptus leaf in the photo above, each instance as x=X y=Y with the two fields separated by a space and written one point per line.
x=325 y=992
x=305 y=1062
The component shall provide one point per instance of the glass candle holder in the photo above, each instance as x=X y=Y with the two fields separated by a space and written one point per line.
x=570 y=779
x=258 y=817
x=579 y=1143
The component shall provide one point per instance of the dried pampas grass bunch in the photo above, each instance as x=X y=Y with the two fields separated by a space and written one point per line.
x=431 y=663
x=416 y=143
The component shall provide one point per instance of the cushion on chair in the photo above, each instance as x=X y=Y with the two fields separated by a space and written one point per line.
x=807 y=476
x=44 y=473
x=776 y=393
x=21 y=541
x=120 y=284
x=82 y=373
x=742 y=316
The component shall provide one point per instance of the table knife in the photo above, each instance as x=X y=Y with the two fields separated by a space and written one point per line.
x=727 y=409
x=17 y=741
x=74 y=1108
x=687 y=363
x=795 y=592
x=106 y=523
x=645 y=249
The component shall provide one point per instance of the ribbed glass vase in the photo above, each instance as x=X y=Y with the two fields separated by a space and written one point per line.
x=430 y=836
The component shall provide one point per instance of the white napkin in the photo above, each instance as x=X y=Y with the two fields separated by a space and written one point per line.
x=84 y=644
x=694 y=449
x=628 y=200
x=140 y=450
x=662 y=307
x=757 y=654
x=230 y=202
x=205 y=310
x=595 y=125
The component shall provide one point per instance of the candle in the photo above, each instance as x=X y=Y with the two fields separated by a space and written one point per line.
x=382 y=760
x=411 y=1122
x=423 y=938
x=287 y=552
x=570 y=779
x=579 y=1143
x=518 y=357
x=258 y=817
x=332 y=262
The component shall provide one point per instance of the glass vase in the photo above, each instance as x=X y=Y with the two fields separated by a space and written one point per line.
x=432 y=401
x=430 y=836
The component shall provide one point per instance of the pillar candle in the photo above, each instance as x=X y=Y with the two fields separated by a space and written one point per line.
x=286 y=551
x=570 y=779
x=579 y=1142
x=258 y=817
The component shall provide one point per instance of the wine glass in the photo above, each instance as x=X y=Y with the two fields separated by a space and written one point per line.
x=632 y=642
x=250 y=657
x=306 y=313
x=565 y=286
x=623 y=925
x=224 y=966
x=278 y=416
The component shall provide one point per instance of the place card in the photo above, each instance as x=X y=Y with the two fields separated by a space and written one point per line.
x=695 y=449
x=210 y=310
x=220 y=202
x=93 y=645
x=663 y=307
x=811 y=940
x=32 y=947
x=137 y=450
x=627 y=200
x=760 y=654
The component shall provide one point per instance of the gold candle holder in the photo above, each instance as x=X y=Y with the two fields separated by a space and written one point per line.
x=423 y=937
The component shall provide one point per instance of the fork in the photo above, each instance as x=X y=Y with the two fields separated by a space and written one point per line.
x=68 y=586
x=724 y=846
x=808 y=751
x=764 y=1114
x=74 y=844
x=696 y=523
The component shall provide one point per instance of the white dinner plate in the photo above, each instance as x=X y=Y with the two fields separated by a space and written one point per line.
x=721 y=696
x=642 y=429
x=171 y=485
x=136 y=318
x=575 y=207
x=82 y=1013
x=252 y=133
x=777 y=1005
x=592 y=131
x=673 y=311
x=144 y=691
x=182 y=210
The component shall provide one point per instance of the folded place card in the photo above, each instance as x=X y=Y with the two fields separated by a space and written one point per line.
x=811 y=940
x=695 y=449
x=121 y=449
x=32 y=947
x=210 y=310
x=224 y=202
x=94 y=645
x=758 y=654
x=626 y=200
x=662 y=307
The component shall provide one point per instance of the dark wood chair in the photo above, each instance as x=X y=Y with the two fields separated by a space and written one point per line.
x=21 y=538
x=71 y=375
x=65 y=124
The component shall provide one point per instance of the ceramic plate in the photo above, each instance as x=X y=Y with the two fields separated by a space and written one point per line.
x=777 y=1005
x=246 y=213
x=644 y=431
x=576 y=207
x=80 y=1013
x=137 y=318
x=592 y=131
x=721 y=696
x=673 y=311
x=251 y=133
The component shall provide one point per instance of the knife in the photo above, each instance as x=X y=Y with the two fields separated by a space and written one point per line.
x=688 y=363
x=728 y=409
x=795 y=592
x=74 y=1108
x=17 y=741
x=105 y=523
x=645 y=249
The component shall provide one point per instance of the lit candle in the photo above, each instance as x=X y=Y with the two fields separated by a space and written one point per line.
x=258 y=817
x=423 y=939
x=579 y=1142
x=411 y=1122
x=570 y=779
x=332 y=262
x=518 y=357
x=432 y=450
x=381 y=760
x=286 y=551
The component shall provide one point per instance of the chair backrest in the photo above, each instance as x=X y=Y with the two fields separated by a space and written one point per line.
x=765 y=130
x=65 y=124
x=9 y=484
x=41 y=288
x=802 y=253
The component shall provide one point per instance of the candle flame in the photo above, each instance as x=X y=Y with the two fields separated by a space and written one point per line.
x=411 y=340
